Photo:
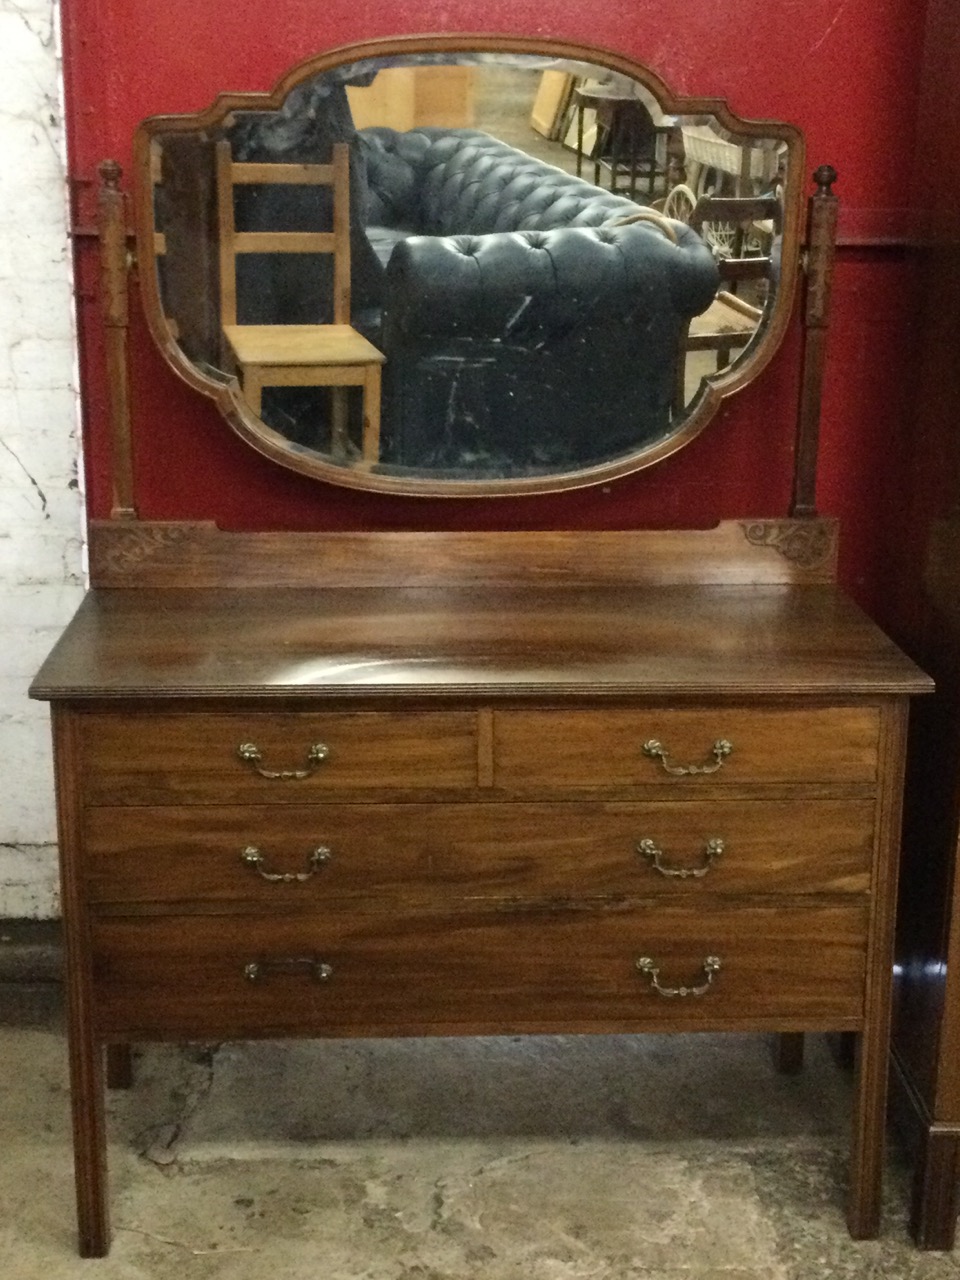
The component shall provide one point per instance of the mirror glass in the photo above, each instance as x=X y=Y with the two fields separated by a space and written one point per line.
x=449 y=270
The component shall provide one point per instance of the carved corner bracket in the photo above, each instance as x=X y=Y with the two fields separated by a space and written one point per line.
x=809 y=544
x=118 y=549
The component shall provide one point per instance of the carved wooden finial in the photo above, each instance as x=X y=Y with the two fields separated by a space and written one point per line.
x=110 y=174
x=825 y=176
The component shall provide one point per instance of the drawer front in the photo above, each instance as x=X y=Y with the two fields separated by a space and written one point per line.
x=317 y=855
x=489 y=971
x=197 y=758
x=643 y=747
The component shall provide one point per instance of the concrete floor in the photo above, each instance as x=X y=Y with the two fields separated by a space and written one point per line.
x=515 y=1159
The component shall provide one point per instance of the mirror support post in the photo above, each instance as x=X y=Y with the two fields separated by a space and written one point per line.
x=115 y=261
x=821 y=243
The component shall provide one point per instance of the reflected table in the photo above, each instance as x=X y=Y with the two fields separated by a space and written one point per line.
x=627 y=139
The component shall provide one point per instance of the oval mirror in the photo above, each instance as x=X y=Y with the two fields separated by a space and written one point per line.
x=468 y=265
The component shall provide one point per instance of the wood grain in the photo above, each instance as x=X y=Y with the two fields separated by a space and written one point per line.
x=460 y=642
x=605 y=748
x=482 y=800
x=201 y=555
x=872 y=1065
x=85 y=1047
x=172 y=757
x=434 y=853
x=115 y=315
x=527 y=969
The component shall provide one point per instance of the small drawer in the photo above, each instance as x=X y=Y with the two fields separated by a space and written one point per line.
x=301 y=856
x=272 y=758
x=480 y=972
x=685 y=748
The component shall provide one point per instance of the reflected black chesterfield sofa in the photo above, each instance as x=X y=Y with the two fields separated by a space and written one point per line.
x=523 y=328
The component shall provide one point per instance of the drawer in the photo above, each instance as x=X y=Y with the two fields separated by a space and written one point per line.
x=479 y=971
x=305 y=855
x=612 y=748
x=195 y=758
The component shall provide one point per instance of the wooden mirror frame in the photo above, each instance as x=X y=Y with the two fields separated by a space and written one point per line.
x=272 y=444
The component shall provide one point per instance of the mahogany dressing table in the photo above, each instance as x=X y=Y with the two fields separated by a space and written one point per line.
x=502 y=783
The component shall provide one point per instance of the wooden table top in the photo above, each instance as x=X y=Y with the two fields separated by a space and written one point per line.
x=675 y=641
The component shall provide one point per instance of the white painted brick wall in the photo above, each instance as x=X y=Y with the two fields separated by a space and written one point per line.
x=40 y=500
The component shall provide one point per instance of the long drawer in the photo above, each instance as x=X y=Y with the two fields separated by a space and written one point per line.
x=709 y=745
x=317 y=855
x=233 y=758
x=187 y=976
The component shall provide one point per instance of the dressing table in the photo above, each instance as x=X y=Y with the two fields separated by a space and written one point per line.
x=371 y=784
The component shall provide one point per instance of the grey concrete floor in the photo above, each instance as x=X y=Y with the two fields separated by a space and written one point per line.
x=536 y=1158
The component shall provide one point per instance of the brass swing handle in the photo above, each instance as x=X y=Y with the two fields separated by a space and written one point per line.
x=712 y=850
x=721 y=749
x=711 y=965
x=251 y=754
x=316 y=968
x=253 y=858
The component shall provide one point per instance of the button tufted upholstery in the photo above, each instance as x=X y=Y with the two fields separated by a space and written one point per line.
x=523 y=329
x=449 y=181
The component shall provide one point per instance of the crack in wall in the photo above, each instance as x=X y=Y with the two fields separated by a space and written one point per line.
x=43 y=117
x=40 y=25
x=44 y=505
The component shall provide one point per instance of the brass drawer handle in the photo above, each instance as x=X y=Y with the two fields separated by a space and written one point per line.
x=318 y=969
x=711 y=965
x=253 y=858
x=712 y=850
x=251 y=754
x=721 y=749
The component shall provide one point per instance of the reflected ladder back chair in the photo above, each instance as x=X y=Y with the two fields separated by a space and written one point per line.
x=299 y=355
x=730 y=321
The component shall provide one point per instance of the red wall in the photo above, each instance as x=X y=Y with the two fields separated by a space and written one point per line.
x=928 y=488
x=844 y=71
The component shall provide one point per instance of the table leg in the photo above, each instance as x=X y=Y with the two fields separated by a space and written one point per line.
x=89 y=1143
x=936 y=1190
x=788 y=1052
x=84 y=1046
x=339 y=435
x=119 y=1066
x=873 y=1046
x=371 y=415
x=867 y=1146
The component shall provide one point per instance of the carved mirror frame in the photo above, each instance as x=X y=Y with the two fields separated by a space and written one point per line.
x=225 y=390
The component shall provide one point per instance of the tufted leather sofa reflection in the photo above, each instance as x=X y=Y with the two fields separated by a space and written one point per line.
x=523 y=329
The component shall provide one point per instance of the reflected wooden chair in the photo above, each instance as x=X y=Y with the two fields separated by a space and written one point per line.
x=730 y=321
x=299 y=355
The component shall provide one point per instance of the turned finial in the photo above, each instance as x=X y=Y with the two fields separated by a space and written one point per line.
x=825 y=176
x=110 y=174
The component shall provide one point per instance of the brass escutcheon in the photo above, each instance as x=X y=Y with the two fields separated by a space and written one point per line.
x=253 y=858
x=251 y=754
x=712 y=850
x=721 y=749
x=710 y=966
